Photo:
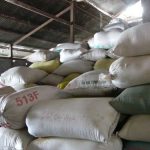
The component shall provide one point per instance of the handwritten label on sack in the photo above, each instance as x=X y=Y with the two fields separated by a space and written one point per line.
x=28 y=98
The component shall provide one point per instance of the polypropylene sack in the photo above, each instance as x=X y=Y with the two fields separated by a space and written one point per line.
x=6 y=90
x=48 y=66
x=134 y=41
x=92 y=83
x=42 y=56
x=103 y=63
x=62 y=46
x=107 y=39
x=130 y=71
x=52 y=79
x=14 y=139
x=74 y=66
x=15 y=106
x=67 y=79
x=134 y=100
x=72 y=144
x=71 y=54
x=94 y=54
x=21 y=75
x=81 y=118
x=136 y=129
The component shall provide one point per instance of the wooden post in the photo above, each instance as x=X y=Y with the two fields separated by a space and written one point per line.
x=72 y=21
x=11 y=54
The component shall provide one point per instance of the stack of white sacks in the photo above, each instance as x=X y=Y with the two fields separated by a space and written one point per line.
x=57 y=121
x=47 y=118
x=14 y=106
x=108 y=38
x=132 y=71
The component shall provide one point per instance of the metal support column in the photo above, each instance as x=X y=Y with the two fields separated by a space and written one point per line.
x=72 y=21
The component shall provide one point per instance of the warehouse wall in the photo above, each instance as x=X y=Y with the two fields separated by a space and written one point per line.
x=6 y=64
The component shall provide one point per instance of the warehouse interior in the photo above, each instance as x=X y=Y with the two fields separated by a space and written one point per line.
x=20 y=24
x=74 y=75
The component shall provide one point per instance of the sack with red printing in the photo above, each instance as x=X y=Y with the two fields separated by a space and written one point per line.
x=14 y=107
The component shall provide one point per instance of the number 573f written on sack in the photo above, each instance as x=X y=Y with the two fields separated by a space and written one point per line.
x=27 y=98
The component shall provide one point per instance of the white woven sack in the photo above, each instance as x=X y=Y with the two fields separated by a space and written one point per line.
x=136 y=129
x=92 y=83
x=116 y=23
x=94 y=54
x=52 y=79
x=82 y=118
x=74 y=66
x=106 y=40
x=134 y=41
x=120 y=26
x=6 y=90
x=91 y=42
x=14 y=139
x=21 y=75
x=71 y=54
x=62 y=46
x=15 y=106
x=41 y=56
x=72 y=144
x=130 y=71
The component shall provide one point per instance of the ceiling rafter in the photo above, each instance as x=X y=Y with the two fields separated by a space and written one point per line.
x=45 y=14
x=18 y=34
x=40 y=27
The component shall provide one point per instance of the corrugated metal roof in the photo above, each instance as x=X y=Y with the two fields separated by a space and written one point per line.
x=16 y=22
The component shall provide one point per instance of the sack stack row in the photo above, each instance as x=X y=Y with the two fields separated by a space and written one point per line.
x=132 y=72
x=77 y=59
x=56 y=120
x=38 y=119
x=53 y=119
x=108 y=38
x=84 y=115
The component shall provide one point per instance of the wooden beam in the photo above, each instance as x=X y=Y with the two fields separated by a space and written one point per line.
x=40 y=27
x=45 y=14
x=37 y=11
x=72 y=21
x=25 y=23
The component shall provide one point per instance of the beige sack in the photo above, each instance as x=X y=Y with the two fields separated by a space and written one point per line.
x=92 y=83
x=21 y=75
x=81 y=118
x=52 y=79
x=6 y=90
x=130 y=71
x=136 y=129
x=74 y=66
x=15 y=106
x=72 y=144
x=14 y=139
x=134 y=41
x=94 y=54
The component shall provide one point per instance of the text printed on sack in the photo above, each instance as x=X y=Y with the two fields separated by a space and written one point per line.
x=27 y=98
